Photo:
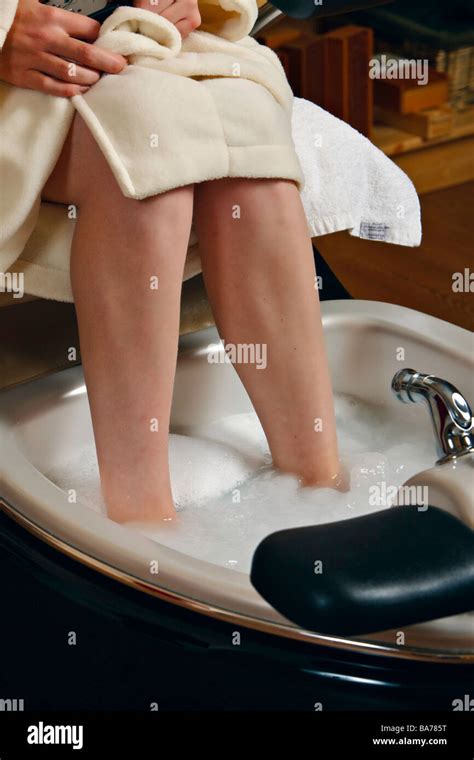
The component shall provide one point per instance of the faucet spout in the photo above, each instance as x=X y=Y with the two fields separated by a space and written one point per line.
x=450 y=413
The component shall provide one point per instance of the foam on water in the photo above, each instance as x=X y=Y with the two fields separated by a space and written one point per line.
x=229 y=498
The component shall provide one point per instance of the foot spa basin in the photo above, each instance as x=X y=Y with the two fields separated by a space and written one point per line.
x=227 y=495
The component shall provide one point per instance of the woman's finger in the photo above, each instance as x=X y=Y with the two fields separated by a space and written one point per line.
x=75 y=24
x=67 y=71
x=90 y=56
x=175 y=13
x=36 y=80
x=185 y=27
x=184 y=15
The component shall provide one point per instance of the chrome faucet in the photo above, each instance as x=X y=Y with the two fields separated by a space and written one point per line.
x=450 y=413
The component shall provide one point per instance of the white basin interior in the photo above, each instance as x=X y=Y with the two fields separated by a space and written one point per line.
x=43 y=424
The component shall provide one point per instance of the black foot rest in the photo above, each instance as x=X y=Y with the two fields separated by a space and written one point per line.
x=385 y=570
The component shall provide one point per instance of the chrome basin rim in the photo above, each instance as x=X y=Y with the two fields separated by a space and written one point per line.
x=355 y=646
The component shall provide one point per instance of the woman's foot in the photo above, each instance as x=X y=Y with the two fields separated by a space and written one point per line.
x=339 y=480
x=132 y=496
x=325 y=475
x=156 y=512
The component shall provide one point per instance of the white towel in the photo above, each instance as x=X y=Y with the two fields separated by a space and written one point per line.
x=349 y=183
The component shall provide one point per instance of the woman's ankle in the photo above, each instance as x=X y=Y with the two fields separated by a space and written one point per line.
x=158 y=512
x=154 y=506
x=325 y=472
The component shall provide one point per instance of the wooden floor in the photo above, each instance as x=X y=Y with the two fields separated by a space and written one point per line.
x=420 y=278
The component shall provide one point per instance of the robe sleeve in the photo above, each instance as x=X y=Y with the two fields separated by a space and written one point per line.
x=7 y=14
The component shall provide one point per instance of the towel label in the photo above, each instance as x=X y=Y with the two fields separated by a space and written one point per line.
x=373 y=230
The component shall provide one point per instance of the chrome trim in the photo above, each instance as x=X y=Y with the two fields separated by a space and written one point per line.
x=450 y=413
x=267 y=15
x=227 y=616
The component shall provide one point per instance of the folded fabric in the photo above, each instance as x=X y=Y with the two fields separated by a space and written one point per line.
x=7 y=14
x=349 y=183
x=139 y=36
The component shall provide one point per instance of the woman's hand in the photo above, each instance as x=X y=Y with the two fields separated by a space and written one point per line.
x=184 y=14
x=49 y=49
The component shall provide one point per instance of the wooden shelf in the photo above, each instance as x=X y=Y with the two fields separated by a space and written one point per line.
x=432 y=164
x=394 y=141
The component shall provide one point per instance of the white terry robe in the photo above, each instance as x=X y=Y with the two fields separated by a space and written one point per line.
x=216 y=104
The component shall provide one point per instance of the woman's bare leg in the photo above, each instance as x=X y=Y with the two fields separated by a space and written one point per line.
x=128 y=327
x=258 y=268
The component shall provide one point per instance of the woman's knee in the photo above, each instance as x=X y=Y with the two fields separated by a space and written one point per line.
x=81 y=171
x=248 y=187
x=249 y=197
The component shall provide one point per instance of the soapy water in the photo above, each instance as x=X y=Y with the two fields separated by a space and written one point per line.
x=229 y=497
